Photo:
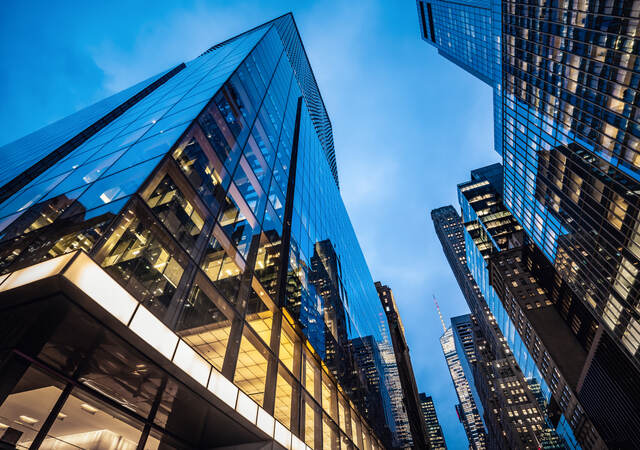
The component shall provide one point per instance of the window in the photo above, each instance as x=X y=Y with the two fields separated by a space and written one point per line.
x=617 y=210
x=85 y=422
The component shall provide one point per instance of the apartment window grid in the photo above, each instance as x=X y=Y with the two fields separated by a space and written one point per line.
x=206 y=225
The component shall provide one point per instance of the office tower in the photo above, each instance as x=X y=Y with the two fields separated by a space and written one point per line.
x=178 y=269
x=436 y=438
x=463 y=33
x=402 y=434
x=568 y=135
x=506 y=396
x=411 y=401
x=468 y=34
x=454 y=355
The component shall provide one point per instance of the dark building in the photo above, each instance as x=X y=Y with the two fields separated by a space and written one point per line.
x=405 y=368
x=507 y=397
x=428 y=410
x=178 y=270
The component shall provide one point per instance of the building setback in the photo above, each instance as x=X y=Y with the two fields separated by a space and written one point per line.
x=178 y=269
x=436 y=438
x=410 y=397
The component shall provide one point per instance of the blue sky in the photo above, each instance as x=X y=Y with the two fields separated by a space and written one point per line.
x=408 y=125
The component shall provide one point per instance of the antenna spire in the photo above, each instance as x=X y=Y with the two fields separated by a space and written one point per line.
x=444 y=327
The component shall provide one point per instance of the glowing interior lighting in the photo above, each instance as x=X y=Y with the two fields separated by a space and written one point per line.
x=149 y=328
x=88 y=408
x=265 y=422
x=224 y=389
x=28 y=420
x=282 y=435
x=36 y=272
x=247 y=407
x=297 y=444
x=195 y=365
x=103 y=289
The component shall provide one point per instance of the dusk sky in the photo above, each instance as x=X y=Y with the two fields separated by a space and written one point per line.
x=408 y=125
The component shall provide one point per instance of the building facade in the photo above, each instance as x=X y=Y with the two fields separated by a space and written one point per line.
x=436 y=438
x=410 y=400
x=178 y=269
x=509 y=400
x=467 y=409
x=568 y=134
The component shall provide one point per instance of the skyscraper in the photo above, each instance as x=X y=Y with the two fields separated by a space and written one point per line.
x=467 y=33
x=467 y=409
x=410 y=400
x=568 y=135
x=507 y=397
x=436 y=438
x=178 y=269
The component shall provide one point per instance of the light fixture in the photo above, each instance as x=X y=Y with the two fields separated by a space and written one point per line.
x=62 y=416
x=88 y=408
x=28 y=420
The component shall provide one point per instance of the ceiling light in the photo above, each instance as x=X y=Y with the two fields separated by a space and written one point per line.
x=28 y=420
x=88 y=408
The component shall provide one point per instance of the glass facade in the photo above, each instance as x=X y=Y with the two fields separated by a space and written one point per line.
x=513 y=407
x=568 y=130
x=468 y=33
x=467 y=410
x=571 y=133
x=213 y=201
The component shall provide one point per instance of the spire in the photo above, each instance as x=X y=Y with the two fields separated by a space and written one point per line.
x=444 y=327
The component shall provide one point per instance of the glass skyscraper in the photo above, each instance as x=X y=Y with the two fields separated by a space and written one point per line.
x=178 y=270
x=511 y=403
x=568 y=134
x=467 y=409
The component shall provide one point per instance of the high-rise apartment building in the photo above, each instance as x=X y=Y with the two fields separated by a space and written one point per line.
x=507 y=398
x=568 y=135
x=436 y=438
x=410 y=399
x=178 y=269
x=467 y=409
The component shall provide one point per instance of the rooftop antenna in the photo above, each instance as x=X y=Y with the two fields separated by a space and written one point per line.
x=444 y=327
